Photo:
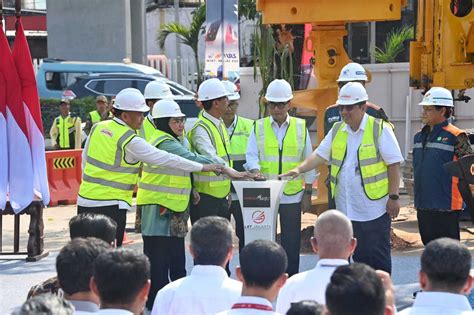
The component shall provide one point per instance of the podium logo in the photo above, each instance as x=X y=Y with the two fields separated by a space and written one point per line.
x=256 y=197
x=258 y=216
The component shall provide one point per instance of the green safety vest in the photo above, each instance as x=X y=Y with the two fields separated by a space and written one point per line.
x=238 y=141
x=164 y=186
x=373 y=170
x=67 y=131
x=208 y=182
x=274 y=161
x=107 y=176
x=147 y=129
x=95 y=117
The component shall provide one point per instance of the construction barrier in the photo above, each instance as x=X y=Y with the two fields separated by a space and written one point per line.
x=64 y=175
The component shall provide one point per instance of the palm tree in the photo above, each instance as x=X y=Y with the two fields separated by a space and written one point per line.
x=394 y=44
x=188 y=35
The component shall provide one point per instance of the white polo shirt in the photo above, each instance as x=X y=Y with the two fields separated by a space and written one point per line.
x=308 y=285
x=350 y=196
x=207 y=290
x=439 y=303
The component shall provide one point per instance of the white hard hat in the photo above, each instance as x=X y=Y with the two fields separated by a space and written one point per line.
x=132 y=100
x=437 y=96
x=157 y=90
x=232 y=90
x=166 y=108
x=352 y=93
x=211 y=89
x=352 y=72
x=279 y=91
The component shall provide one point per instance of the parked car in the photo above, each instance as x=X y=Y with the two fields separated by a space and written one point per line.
x=109 y=84
x=54 y=75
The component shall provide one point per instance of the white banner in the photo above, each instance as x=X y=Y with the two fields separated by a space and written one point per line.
x=222 y=40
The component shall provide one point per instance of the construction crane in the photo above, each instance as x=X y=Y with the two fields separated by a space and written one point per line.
x=441 y=55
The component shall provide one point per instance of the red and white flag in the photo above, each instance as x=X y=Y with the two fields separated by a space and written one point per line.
x=3 y=144
x=20 y=169
x=29 y=91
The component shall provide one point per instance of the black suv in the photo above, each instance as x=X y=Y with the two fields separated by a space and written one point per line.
x=109 y=84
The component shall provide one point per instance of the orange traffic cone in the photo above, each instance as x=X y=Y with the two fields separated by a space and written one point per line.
x=125 y=240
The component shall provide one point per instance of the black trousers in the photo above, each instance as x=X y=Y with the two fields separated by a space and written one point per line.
x=435 y=224
x=290 y=223
x=208 y=206
x=167 y=262
x=373 y=243
x=113 y=212
x=236 y=211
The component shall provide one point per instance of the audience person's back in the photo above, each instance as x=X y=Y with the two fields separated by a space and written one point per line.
x=83 y=225
x=46 y=304
x=334 y=243
x=262 y=271
x=74 y=266
x=121 y=279
x=305 y=307
x=356 y=290
x=208 y=289
x=444 y=278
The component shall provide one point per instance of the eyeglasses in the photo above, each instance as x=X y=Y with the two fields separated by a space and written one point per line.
x=178 y=121
x=280 y=105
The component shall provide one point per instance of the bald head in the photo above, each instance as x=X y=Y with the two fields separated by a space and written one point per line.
x=333 y=237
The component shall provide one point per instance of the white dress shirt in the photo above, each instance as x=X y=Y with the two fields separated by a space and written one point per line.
x=138 y=150
x=439 y=303
x=350 y=195
x=249 y=305
x=253 y=160
x=114 y=311
x=207 y=290
x=84 y=307
x=202 y=142
x=308 y=285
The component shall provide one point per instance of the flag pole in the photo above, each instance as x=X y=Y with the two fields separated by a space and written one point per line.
x=17 y=12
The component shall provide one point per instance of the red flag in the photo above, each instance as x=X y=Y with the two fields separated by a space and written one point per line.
x=29 y=91
x=20 y=169
x=3 y=143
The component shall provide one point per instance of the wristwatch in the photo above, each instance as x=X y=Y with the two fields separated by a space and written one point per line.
x=394 y=197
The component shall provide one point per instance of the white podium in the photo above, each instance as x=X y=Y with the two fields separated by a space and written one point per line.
x=259 y=201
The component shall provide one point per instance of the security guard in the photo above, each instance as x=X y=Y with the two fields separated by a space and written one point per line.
x=238 y=129
x=365 y=162
x=111 y=161
x=100 y=114
x=209 y=137
x=66 y=129
x=277 y=144
x=164 y=195
x=154 y=91
x=352 y=72
x=437 y=198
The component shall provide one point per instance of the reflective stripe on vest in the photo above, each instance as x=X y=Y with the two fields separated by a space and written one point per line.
x=95 y=117
x=373 y=170
x=274 y=161
x=208 y=182
x=147 y=129
x=168 y=187
x=239 y=138
x=66 y=127
x=107 y=176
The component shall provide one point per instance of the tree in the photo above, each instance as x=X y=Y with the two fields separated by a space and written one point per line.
x=394 y=44
x=188 y=35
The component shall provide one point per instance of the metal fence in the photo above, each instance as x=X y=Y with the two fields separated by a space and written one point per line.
x=179 y=70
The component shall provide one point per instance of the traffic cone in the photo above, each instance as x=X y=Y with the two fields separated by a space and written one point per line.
x=125 y=240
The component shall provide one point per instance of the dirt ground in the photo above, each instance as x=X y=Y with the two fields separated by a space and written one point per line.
x=405 y=237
